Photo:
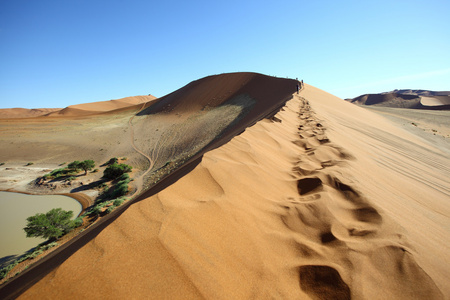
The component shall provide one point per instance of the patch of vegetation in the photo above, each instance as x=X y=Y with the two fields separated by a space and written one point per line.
x=118 y=202
x=95 y=171
x=97 y=210
x=115 y=170
x=125 y=176
x=60 y=173
x=1 y=164
x=29 y=164
x=72 y=169
x=78 y=222
x=30 y=255
x=110 y=209
x=7 y=269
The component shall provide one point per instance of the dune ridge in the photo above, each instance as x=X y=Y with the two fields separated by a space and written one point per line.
x=309 y=204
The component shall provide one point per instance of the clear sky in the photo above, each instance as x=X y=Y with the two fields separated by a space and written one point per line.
x=58 y=53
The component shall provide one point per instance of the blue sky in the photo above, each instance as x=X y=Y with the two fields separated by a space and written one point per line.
x=59 y=53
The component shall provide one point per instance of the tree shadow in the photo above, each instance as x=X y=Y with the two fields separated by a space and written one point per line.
x=89 y=186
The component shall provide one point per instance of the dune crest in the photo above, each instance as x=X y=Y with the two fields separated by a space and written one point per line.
x=298 y=206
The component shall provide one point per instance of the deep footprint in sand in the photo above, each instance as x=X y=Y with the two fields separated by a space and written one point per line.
x=307 y=185
x=323 y=282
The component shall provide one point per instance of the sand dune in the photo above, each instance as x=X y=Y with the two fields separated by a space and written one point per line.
x=323 y=201
x=10 y=113
x=76 y=110
x=101 y=106
x=417 y=99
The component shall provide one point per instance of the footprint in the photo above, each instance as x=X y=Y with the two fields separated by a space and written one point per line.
x=323 y=282
x=307 y=185
x=367 y=214
x=327 y=237
x=347 y=191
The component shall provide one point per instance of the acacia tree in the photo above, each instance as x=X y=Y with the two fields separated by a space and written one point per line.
x=50 y=225
x=86 y=165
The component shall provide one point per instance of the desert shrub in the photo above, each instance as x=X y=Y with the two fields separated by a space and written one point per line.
x=120 y=189
x=49 y=245
x=29 y=164
x=60 y=173
x=110 y=209
x=78 y=222
x=5 y=270
x=125 y=176
x=118 y=202
x=71 y=178
x=116 y=170
x=36 y=253
x=95 y=171
x=1 y=164
x=98 y=208
x=52 y=224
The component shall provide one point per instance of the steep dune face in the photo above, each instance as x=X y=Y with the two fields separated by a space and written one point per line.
x=323 y=201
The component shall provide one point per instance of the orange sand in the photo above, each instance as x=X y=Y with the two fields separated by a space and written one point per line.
x=324 y=201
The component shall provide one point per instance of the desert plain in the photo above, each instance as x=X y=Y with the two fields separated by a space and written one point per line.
x=244 y=189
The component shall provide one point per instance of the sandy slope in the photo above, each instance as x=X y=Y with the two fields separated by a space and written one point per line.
x=326 y=200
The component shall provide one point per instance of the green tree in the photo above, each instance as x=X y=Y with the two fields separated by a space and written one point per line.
x=50 y=225
x=86 y=165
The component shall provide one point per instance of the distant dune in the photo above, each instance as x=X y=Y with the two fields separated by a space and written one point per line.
x=291 y=196
x=75 y=110
x=10 y=113
x=417 y=99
